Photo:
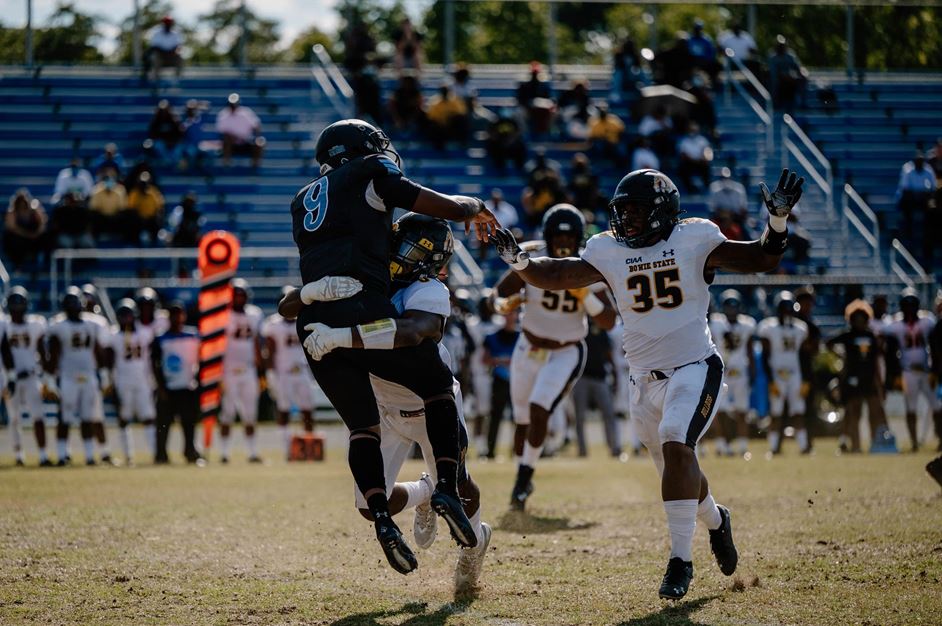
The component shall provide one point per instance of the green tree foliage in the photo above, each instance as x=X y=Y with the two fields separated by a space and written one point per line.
x=218 y=38
x=381 y=20
x=69 y=36
x=490 y=32
x=152 y=11
x=300 y=49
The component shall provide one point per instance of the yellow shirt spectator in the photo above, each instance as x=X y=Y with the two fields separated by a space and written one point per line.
x=148 y=202
x=108 y=198
x=443 y=108
x=606 y=128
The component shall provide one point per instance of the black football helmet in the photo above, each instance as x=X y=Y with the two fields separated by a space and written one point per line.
x=125 y=311
x=909 y=301
x=563 y=219
x=17 y=301
x=644 y=208
x=785 y=303
x=421 y=246
x=349 y=139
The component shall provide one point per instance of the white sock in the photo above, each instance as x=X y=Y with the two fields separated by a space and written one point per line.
x=285 y=437
x=224 y=446
x=17 y=439
x=802 y=438
x=43 y=457
x=476 y=524
x=150 y=434
x=774 y=438
x=708 y=513
x=103 y=449
x=682 y=522
x=89 y=449
x=125 y=438
x=252 y=444
x=480 y=442
x=722 y=446
x=531 y=454
x=743 y=444
x=417 y=492
x=62 y=448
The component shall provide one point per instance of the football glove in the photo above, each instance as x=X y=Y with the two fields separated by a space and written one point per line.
x=330 y=288
x=774 y=391
x=323 y=339
x=579 y=294
x=786 y=195
x=503 y=306
x=50 y=391
x=508 y=250
x=805 y=389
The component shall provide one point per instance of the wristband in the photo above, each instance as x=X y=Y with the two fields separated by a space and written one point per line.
x=378 y=335
x=593 y=305
x=523 y=259
x=778 y=224
x=773 y=242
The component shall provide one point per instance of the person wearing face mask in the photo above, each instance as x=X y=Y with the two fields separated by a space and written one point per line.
x=108 y=200
x=74 y=178
x=148 y=205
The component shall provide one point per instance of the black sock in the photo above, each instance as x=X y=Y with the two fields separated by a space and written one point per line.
x=524 y=475
x=441 y=424
x=366 y=463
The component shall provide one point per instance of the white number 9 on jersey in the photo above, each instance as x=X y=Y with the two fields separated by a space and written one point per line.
x=315 y=202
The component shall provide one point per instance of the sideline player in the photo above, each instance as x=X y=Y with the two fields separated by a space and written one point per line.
x=782 y=336
x=341 y=224
x=911 y=328
x=732 y=332
x=289 y=379
x=75 y=352
x=149 y=315
x=550 y=355
x=21 y=341
x=128 y=354
x=241 y=365
x=660 y=268
x=421 y=248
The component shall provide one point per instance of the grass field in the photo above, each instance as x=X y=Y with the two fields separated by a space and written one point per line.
x=823 y=540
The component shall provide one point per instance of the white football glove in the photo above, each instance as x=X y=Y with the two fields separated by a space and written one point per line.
x=330 y=288
x=323 y=339
x=508 y=250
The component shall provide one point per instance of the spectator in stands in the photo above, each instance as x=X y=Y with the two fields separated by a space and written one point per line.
x=657 y=127
x=505 y=212
x=108 y=200
x=498 y=349
x=163 y=49
x=704 y=111
x=541 y=166
x=915 y=191
x=24 y=228
x=545 y=190
x=627 y=74
x=241 y=131
x=192 y=154
x=605 y=135
x=787 y=78
x=702 y=51
x=728 y=195
x=408 y=47
x=147 y=203
x=448 y=118
x=742 y=44
x=73 y=179
x=70 y=223
x=696 y=157
x=109 y=159
x=505 y=142
x=796 y=257
x=185 y=223
x=359 y=46
x=576 y=110
x=643 y=157
x=406 y=104
x=367 y=94
x=165 y=133
x=673 y=65
x=584 y=185
x=534 y=97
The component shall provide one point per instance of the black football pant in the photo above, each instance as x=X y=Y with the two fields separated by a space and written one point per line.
x=185 y=403
x=344 y=376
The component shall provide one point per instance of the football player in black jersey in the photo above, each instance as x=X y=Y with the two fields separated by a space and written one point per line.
x=342 y=223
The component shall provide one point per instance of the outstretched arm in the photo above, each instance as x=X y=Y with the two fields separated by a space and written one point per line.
x=471 y=211
x=545 y=273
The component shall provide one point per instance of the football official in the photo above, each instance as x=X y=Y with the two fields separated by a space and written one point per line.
x=175 y=361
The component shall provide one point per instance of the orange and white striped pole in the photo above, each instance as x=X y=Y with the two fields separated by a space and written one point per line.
x=218 y=261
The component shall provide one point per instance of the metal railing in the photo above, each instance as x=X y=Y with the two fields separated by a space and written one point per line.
x=870 y=234
x=331 y=81
x=764 y=110
x=899 y=251
x=823 y=180
x=4 y=279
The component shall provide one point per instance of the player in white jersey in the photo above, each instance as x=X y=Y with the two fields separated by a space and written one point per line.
x=421 y=248
x=732 y=333
x=21 y=341
x=911 y=328
x=782 y=336
x=241 y=365
x=149 y=315
x=75 y=354
x=128 y=354
x=289 y=378
x=659 y=268
x=550 y=354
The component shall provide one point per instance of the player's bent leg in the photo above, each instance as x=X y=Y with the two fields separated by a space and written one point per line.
x=471 y=560
x=717 y=519
x=529 y=455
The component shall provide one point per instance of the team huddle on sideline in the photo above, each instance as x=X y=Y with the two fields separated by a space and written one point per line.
x=147 y=363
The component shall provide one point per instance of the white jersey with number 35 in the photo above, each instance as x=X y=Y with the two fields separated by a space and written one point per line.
x=661 y=293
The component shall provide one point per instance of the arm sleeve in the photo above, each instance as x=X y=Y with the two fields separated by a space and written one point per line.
x=430 y=297
x=388 y=188
x=706 y=238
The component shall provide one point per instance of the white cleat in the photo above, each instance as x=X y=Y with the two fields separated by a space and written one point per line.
x=425 y=524
x=470 y=563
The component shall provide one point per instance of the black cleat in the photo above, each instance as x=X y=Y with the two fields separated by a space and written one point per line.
x=107 y=460
x=934 y=467
x=20 y=463
x=46 y=463
x=518 y=497
x=676 y=579
x=398 y=553
x=721 y=542
x=64 y=462
x=449 y=508
x=90 y=463
x=255 y=459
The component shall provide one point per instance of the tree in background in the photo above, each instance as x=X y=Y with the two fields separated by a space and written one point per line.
x=217 y=38
x=69 y=36
x=300 y=49
x=151 y=13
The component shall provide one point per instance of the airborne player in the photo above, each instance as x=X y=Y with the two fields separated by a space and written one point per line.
x=659 y=268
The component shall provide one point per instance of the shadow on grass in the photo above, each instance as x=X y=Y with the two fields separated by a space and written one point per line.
x=415 y=614
x=525 y=523
x=674 y=614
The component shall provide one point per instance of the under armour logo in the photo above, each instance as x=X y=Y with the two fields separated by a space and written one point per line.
x=668 y=253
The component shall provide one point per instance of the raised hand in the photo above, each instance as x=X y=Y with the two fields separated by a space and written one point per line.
x=508 y=249
x=786 y=195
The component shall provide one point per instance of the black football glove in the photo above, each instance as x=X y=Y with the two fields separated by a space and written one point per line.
x=508 y=250
x=786 y=195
